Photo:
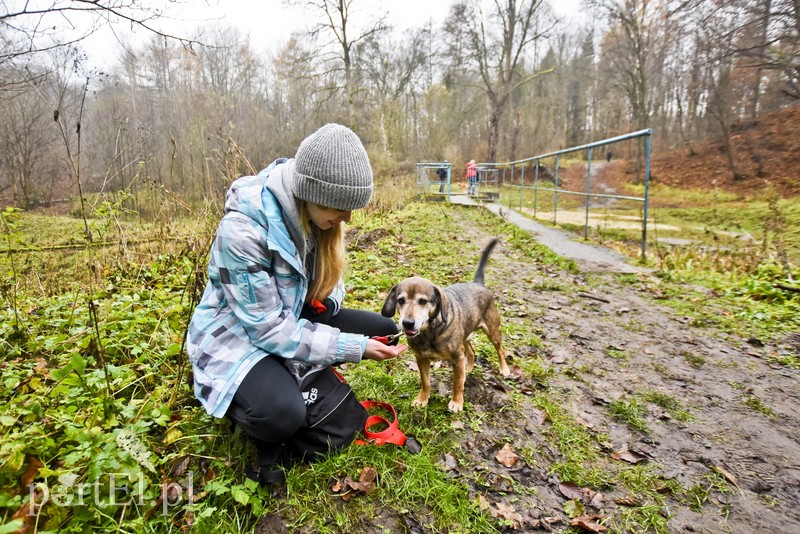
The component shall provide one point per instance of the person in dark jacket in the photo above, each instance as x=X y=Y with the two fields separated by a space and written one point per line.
x=442 y=173
x=271 y=314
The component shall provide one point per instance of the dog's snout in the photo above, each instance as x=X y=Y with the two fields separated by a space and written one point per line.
x=408 y=324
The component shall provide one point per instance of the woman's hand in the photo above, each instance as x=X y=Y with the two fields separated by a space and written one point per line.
x=378 y=351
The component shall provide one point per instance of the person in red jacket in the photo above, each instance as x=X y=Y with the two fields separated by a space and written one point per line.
x=472 y=176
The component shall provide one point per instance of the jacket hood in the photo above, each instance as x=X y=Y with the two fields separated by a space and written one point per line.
x=256 y=196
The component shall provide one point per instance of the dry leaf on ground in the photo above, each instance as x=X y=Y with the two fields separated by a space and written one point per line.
x=507 y=456
x=632 y=457
x=506 y=511
x=589 y=522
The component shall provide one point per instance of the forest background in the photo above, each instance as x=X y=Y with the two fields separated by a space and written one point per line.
x=180 y=116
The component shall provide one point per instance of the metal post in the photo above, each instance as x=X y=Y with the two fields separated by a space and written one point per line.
x=521 y=186
x=449 y=167
x=646 y=192
x=588 y=193
x=536 y=189
x=555 y=192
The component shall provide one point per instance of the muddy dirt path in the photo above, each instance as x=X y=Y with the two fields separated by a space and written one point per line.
x=621 y=344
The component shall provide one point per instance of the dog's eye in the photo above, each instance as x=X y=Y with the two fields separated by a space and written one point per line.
x=401 y=301
x=422 y=302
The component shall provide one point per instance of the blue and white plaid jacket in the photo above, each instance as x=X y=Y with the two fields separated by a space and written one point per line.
x=257 y=283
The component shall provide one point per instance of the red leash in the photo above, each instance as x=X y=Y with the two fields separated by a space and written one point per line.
x=390 y=434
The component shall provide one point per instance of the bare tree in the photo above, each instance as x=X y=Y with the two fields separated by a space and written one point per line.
x=497 y=41
x=630 y=45
x=337 y=23
x=26 y=139
x=30 y=27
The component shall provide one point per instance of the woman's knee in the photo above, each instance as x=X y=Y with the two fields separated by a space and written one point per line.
x=279 y=420
x=273 y=420
x=268 y=404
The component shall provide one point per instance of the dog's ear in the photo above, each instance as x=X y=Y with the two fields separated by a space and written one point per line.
x=441 y=304
x=390 y=306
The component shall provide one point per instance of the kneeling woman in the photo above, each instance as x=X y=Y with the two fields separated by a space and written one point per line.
x=270 y=322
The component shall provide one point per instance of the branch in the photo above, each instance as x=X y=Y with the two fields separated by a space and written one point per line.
x=28 y=22
x=787 y=288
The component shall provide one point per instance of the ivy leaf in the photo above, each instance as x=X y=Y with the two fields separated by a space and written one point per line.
x=574 y=508
x=240 y=495
x=13 y=526
x=7 y=420
x=77 y=362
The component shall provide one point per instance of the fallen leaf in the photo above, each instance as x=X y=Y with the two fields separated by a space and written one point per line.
x=507 y=456
x=209 y=475
x=627 y=501
x=595 y=498
x=549 y=521
x=349 y=488
x=584 y=423
x=180 y=467
x=506 y=511
x=516 y=373
x=540 y=416
x=412 y=445
x=588 y=523
x=41 y=368
x=632 y=457
x=31 y=472
x=368 y=475
x=450 y=463
x=588 y=496
x=188 y=521
x=570 y=490
x=728 y=476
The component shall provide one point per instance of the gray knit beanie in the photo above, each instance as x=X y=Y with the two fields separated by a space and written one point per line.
x=332 y=169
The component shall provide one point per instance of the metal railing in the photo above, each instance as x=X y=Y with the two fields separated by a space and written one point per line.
x=588 y=194
x=437 y=186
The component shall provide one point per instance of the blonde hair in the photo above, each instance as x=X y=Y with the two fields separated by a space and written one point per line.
x=330 y=259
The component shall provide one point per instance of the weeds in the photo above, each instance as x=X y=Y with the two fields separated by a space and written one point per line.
x=758 y=405
x=668 y=403
x=101 y=389
x=631 y=412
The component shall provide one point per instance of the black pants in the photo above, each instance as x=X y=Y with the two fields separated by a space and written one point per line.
x=268 y=404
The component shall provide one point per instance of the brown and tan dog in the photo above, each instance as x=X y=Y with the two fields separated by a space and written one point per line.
x=438 y=322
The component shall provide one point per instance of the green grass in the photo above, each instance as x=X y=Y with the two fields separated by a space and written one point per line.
x=95 y=382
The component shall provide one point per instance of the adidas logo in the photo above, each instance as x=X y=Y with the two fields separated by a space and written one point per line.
x=310 y=397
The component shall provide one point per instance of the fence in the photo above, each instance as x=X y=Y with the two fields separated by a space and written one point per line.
x=439 y=184
x=553 y=176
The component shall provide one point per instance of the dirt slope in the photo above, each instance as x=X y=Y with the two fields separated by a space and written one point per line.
x=711 y=378
x=766 y=151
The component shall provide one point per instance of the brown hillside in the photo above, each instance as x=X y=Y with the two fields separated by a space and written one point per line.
x=766 y=152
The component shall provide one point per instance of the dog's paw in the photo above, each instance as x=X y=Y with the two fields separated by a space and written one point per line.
x=505 y=371
x=419 y=402
x=455 y=406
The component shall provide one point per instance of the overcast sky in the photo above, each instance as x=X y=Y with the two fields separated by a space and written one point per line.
x=269 y=23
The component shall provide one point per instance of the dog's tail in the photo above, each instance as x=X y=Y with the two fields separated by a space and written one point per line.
x=482 y=264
